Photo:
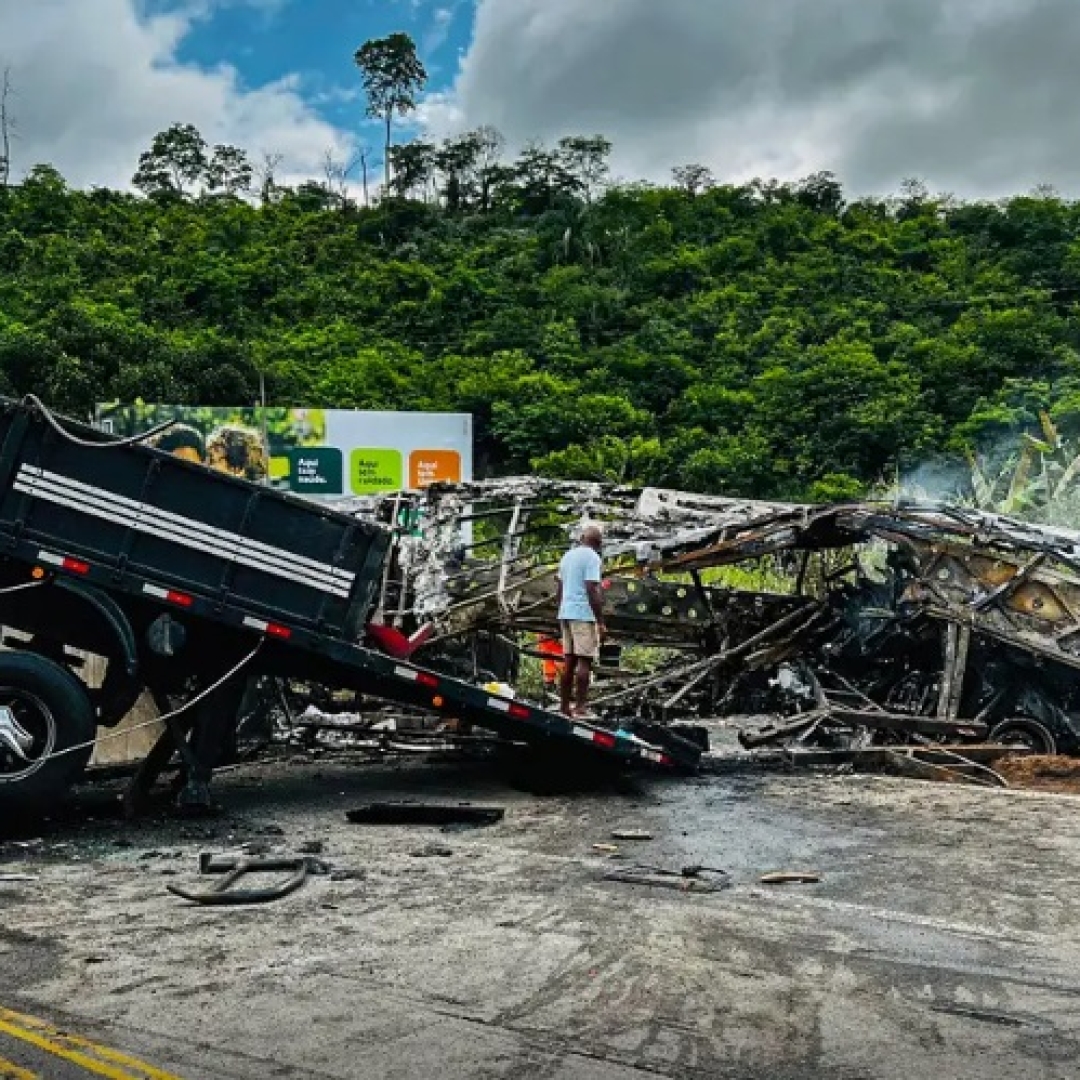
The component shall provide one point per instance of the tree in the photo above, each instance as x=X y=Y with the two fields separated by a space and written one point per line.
x=393 y=76
x=693 y=179
x=458 y=160
x=228 y=170
x=176 y=161
x=266 y=173
x=608 y=460
x=821 y=191
x=5 y=128
x=179 y=161
x=363 y=156
x=413 y=165
x=765 y=339
x=46 y=206
x=490 y=170
x=312 y=195
x=542 y=178
x=585 y=158
x=914 y=198
x=469 y=164
x=336 y=173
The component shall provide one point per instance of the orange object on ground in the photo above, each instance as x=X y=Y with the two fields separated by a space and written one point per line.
x=551 y=647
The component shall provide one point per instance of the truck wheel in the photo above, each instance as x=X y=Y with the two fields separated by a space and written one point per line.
x=1027 y=734
x=44 y=709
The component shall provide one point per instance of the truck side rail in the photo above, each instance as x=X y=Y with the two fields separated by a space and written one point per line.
x=351 y=665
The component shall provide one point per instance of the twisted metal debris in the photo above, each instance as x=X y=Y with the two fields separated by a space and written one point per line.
x=843 y=625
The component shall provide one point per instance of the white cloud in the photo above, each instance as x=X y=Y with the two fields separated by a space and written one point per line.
x=438 y=30
x=96 y=79
x=204 y=8
x=972 y=95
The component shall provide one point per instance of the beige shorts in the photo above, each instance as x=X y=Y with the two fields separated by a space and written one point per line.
x=580 y=639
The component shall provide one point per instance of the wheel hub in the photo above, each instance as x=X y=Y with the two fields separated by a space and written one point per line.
x=13 y=736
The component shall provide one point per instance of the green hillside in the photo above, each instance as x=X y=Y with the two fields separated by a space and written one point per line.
x=770 y=339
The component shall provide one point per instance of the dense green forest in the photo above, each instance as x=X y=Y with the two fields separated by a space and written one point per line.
x=767 y=339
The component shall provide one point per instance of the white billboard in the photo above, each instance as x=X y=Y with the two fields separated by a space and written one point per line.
x=323 y=453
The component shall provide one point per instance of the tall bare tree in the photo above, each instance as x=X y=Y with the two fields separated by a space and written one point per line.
x=336 y=173
x=489 y=166
x=364 y=156
x=266 y=174
x=6 y=124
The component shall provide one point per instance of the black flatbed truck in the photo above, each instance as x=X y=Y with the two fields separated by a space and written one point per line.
x=183 y=579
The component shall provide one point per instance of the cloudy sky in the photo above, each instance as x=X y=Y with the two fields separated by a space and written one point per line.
x=975 y=97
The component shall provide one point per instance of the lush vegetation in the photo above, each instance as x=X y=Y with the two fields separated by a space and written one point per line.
x=768 y=339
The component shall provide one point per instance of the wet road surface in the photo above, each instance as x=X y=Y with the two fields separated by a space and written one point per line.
x=941 y=940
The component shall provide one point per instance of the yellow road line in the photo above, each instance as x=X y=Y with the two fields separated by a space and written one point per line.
x=142 y=1070
x=10 y=1071
x=105 y=1062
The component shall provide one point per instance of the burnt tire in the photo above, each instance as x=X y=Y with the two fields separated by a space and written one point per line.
x=1025 y=733
x=44 y=710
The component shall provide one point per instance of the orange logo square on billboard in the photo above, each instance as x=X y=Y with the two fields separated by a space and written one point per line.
x=434 y=466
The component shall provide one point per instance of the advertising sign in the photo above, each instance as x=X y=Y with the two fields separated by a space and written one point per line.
x=319 y=453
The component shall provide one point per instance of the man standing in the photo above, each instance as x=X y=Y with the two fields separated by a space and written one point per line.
x=581 y=617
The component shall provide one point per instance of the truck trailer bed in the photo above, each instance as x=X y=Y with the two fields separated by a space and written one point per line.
x=156 y=535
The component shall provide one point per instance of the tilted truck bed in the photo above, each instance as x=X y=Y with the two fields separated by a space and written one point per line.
x=141 y=524
x=150 y=516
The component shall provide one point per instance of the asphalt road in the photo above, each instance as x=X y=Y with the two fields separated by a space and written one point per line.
x=34 y=1048
x=943 y=938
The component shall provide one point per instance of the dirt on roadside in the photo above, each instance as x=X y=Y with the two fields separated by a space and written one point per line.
x=1057 y=773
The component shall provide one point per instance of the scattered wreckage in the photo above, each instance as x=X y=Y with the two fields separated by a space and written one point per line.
x=844 y=626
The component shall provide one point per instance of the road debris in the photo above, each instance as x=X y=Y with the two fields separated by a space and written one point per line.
x=791 y=877
x=686 y=879
x=631 y=834
x=236 y=867
x=392 y=813
x=693 y=885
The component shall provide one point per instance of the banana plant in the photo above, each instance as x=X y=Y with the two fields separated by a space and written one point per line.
x=1039 y=480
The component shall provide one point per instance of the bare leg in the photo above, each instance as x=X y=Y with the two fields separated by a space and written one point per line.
x=566 y=683
x=582 y=678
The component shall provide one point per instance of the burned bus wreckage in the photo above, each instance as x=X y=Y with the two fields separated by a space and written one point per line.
x=831 y=626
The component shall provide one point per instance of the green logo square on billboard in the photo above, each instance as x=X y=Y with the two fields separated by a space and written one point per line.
x=316 y=470
x=372 y=471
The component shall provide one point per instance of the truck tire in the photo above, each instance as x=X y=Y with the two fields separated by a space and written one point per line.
x=44 y=709
x=1027 y=734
